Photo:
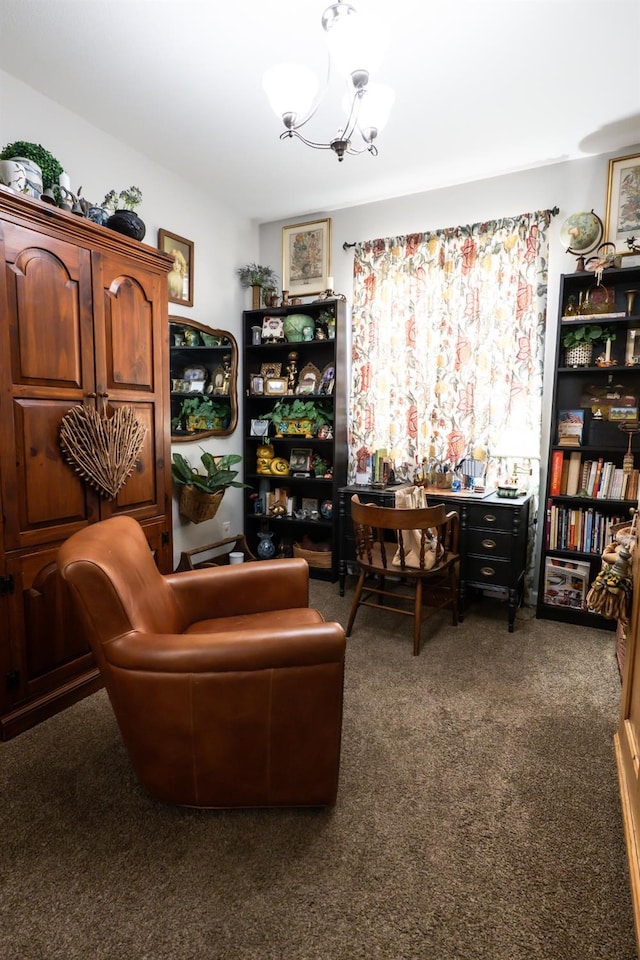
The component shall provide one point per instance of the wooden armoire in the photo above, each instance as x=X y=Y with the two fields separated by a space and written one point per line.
x=83 y=320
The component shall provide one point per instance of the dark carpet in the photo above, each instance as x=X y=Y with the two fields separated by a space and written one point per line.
x=478 y=818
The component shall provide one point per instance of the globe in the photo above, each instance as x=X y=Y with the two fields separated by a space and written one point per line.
x=581 y=232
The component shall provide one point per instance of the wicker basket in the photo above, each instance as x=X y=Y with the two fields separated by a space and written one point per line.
x=198 y=506
x=315 y=558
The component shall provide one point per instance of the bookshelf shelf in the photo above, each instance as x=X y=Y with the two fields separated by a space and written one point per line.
x=590 y=486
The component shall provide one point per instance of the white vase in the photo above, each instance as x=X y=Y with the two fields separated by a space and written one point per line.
x=34 y=176
x=13 y=175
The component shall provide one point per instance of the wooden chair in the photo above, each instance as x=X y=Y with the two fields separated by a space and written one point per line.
x=406 y=556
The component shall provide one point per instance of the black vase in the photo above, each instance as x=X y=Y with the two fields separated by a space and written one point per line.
x=127 y=222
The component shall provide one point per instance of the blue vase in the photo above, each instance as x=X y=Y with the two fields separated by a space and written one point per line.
x=266 y=547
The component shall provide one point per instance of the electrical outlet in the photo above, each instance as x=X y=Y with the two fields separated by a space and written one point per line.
x=226 y=528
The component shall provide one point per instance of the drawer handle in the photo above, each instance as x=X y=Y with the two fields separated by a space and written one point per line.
x=489 y=544
x=487 y=571
x=490 y=518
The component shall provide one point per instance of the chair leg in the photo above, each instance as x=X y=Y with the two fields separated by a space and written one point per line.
x=453 y=587
x=355 y=603
x=417 y=618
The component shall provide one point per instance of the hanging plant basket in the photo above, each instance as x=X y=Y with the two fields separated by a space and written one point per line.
x=198 y=506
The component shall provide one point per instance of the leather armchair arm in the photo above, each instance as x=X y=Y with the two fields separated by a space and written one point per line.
x=239 y=650
x=243 y=588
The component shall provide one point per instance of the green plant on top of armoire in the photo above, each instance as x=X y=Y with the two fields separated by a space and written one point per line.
x=49 y=166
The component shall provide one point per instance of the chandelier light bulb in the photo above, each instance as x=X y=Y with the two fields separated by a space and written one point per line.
x=291 y=89
x=375 y=107
x=356 y=42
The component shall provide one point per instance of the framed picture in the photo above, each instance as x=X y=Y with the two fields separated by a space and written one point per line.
x=309 y=380
x=271 y=369
x=257 y=385
x=306 y=258
x=300 y=459
x=328 y=380
x=275 y=386
x=623 y=413
x=259 y=428
x=180 y=277
x=623 y=202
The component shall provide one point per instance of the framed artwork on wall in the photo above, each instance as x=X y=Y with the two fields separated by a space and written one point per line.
x=623 y=202
x=180 y=277
x=306 y=258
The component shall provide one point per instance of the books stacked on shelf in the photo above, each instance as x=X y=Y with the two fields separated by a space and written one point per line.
x=566 y=583
x=599 y=479
x=583 y=529
x=570 y=426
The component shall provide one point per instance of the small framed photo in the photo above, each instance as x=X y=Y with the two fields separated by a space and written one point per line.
x=309 y=379
x=257 y=385
x=328 y=380
x=300 y=460
x=259 y=428
x=622 y=221
x=271 y=370
x=275 y=386
x=623 y=413
x=180 y=277
x=306 y=258
x=310 y=507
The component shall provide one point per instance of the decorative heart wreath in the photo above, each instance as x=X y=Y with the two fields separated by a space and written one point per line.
x=103 y=451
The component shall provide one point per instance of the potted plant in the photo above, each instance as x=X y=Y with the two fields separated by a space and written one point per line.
x=263 y=281
x=32 y=156
x=124 y=219
x=201 y=413
x=299 y=416
x=201 y=493
x=578 y=343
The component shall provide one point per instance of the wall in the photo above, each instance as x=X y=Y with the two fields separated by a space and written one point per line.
x=571 y=186
x=222 y=242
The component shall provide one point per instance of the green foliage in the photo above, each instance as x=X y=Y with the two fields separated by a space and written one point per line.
x=51 y=168
x=589 y=333
x=125 y=200
x=218 y=476
x=253 y=275
x=299 y=409
x=201 y=406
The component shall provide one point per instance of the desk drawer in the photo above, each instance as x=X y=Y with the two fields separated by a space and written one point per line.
x=490 y=543
x=491 y=571
x=490 y=517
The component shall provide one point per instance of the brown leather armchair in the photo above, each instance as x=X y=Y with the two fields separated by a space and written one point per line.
x=226 y=686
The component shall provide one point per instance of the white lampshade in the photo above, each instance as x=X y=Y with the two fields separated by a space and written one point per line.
x=356 y=42
x=291 y=89
x=375 y=107
x=518 y=445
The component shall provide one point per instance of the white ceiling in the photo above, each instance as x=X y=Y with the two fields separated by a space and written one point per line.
x=483 y=87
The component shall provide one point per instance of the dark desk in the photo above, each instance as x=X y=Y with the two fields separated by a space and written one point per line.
x=493 y=539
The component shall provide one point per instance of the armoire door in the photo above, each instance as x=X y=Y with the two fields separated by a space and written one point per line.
x=131 y=348
x=627 y=742
x=47 y=367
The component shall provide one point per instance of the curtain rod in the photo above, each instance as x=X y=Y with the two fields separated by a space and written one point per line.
x=552 y=213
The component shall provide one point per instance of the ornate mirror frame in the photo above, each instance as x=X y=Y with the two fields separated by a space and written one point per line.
x=203 y=367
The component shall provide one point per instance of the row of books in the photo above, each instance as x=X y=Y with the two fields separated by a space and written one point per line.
x=600 y=479
x=585 y=530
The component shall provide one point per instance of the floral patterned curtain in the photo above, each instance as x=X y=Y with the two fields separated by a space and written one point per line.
x=447 y=343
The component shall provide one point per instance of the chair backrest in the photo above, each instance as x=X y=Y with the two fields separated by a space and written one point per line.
x=110 y=569
x=404 y=538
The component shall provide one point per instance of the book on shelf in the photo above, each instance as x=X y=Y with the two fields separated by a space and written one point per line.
x=573 y=473
x=566 y=582
x=557 y=459
x=570 y=426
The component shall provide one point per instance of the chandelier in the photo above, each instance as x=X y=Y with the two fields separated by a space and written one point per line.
x=355 y=49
